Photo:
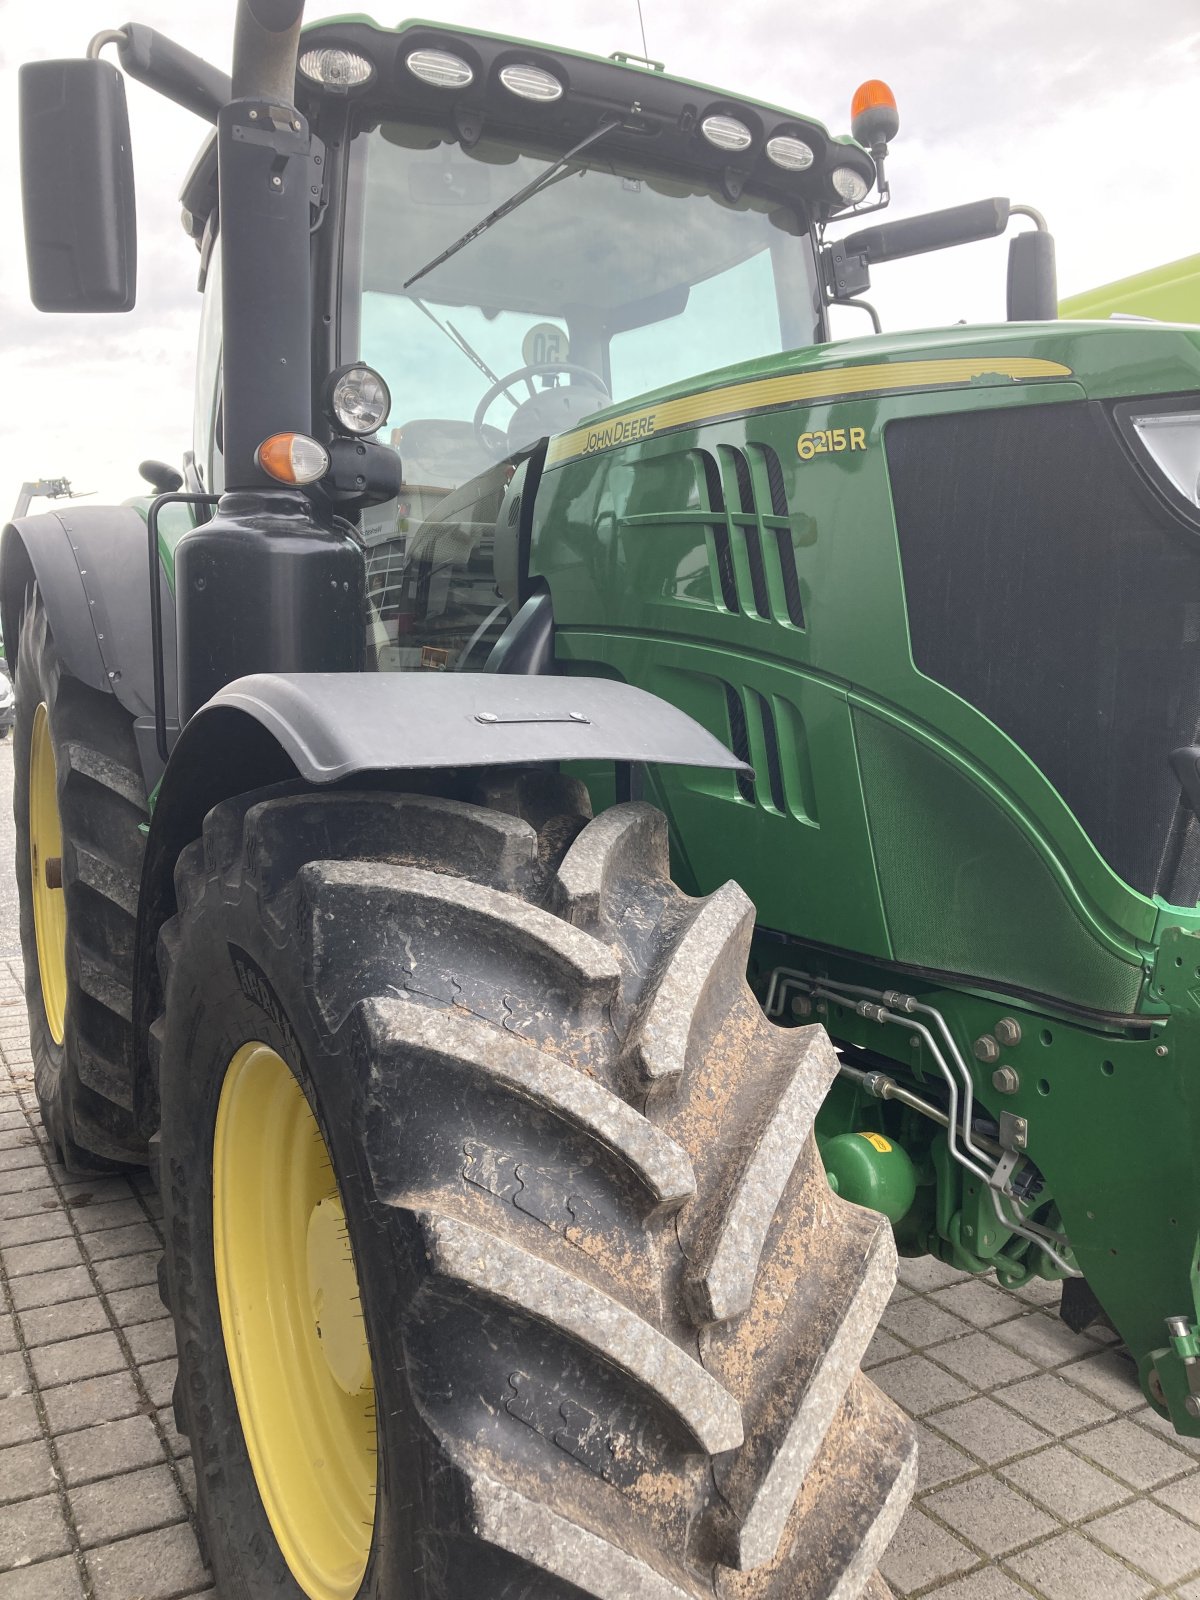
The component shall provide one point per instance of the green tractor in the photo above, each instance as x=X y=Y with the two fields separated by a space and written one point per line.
x=385 y=782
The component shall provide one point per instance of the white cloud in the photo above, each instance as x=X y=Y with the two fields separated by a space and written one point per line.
x=1083 y=108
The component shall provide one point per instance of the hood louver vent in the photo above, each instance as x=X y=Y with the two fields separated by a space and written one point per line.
x=741 y=571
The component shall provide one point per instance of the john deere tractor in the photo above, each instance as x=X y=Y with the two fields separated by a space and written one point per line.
x=518 y=1193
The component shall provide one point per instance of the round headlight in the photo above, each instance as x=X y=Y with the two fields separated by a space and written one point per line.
x=440 y=68
x=358 y=399
x=727 y=133
x=336 y=69
x=531 y=83
x=790 y=153
x=850 y=185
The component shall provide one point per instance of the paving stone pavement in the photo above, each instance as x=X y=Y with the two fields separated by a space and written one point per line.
x=96 y=1488
x=1043 y=1473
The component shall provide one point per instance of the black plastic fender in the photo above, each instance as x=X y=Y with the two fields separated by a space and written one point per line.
x=91 y=567
x=326 y=728
x=332 y=725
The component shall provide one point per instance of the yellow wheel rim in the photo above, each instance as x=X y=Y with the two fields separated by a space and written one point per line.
x=293 y=1326
x=45 y=860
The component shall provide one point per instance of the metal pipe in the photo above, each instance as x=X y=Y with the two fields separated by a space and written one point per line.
x=1024 y=1229
x=881 y=1087
x=882 y=1014
x=264 y=153
x=899 y=1002
x=266 y=44
x=107 y=36
x=1030 y=211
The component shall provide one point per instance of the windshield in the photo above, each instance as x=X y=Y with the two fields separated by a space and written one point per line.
x=606 y=283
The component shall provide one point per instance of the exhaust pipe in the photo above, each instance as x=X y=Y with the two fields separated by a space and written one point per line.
x=266 y=42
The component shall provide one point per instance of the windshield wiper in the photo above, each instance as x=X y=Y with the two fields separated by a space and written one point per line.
x=459 y=342
x=518 y=199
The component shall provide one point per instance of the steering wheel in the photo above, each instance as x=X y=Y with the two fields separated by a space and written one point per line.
x=546 y=410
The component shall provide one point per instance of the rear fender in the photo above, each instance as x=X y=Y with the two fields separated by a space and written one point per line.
x=91 y=567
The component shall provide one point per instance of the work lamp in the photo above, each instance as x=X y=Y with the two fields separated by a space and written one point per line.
x=790 y=153
x=439 y=68
x=727 y=133
x=336 y=69
x=357 y=399
x=531 y=83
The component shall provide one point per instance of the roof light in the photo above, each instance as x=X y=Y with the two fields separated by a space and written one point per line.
x=292 y=458
x=850 y=185
x=790 y=153
x=727 y=133
x=873 y=115
x=440 y=68
x=340 y=70
x=531 y=83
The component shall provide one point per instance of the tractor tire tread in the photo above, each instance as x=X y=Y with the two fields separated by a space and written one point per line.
x=85 y=1085
x=636 y=1309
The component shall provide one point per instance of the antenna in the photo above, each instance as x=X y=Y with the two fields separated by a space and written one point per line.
x=642 y=25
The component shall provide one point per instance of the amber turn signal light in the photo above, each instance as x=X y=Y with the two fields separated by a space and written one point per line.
x=292 y=458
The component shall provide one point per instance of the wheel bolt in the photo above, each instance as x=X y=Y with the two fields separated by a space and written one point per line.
x=53 y=872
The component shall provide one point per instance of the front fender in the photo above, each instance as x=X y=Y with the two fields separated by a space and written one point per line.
x=323 y=728
x=333 y=725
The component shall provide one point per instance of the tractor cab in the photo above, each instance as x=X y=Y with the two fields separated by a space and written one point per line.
x=511 y=247
x=609 y=281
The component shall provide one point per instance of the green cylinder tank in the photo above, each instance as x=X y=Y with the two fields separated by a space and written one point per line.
x=871 y=1170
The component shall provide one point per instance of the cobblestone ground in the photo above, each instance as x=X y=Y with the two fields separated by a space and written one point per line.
x=1043 y=1473
x=95 y=1484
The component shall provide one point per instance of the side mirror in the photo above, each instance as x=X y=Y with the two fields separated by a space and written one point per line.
x=1032 y=277
x=161 y=478
x=77 y=187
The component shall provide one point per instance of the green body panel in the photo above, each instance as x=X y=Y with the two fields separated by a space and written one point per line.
x=904 y=841
x=624 y=538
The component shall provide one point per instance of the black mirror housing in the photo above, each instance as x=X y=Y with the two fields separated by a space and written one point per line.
x=1032 y=277
x=935 y=230
x=77 y=187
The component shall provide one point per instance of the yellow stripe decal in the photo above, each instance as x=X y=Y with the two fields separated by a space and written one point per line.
x=840 y=383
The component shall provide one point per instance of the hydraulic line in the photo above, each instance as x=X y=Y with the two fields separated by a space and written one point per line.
x=882 y=1087
x=909 y=1004
x=879 y=1013
x=870 y=1007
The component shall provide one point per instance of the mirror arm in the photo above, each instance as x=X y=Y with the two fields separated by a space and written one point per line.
x=1039 y=220
x=151 y=58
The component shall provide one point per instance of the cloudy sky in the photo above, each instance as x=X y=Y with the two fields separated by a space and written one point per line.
x=1084 y=108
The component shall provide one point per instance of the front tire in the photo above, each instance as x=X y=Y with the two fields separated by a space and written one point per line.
x=79 y=805
x=612 y=1314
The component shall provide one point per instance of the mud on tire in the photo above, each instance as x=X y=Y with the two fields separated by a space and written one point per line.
x=615 y=1312
x=85 y=1082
